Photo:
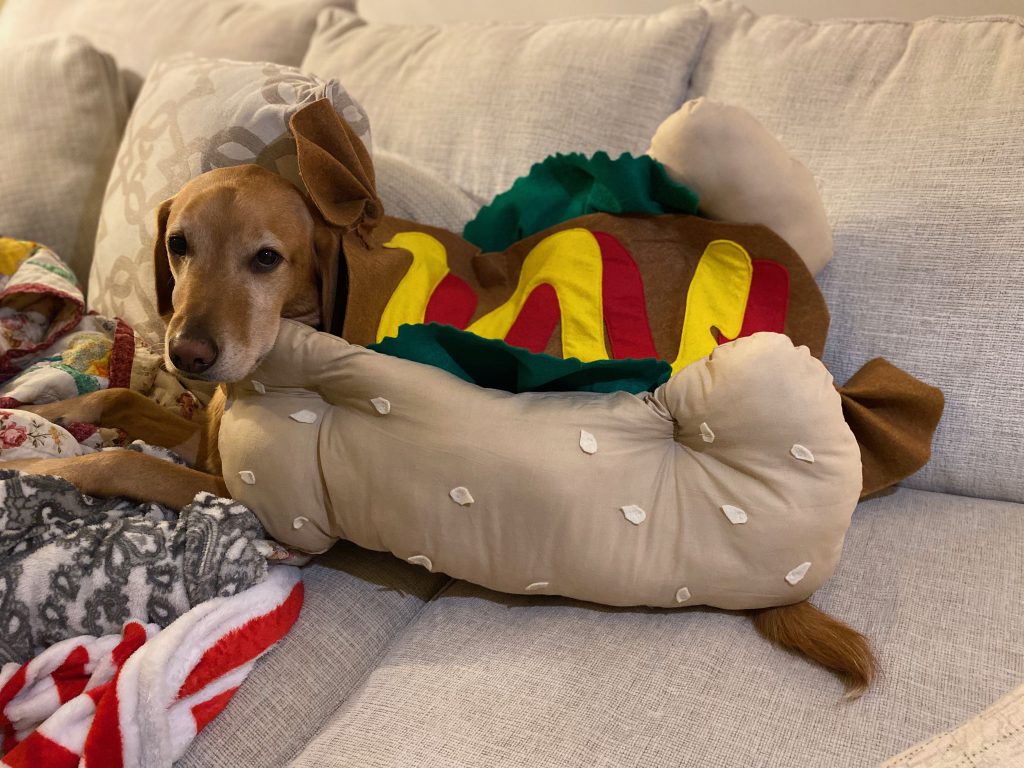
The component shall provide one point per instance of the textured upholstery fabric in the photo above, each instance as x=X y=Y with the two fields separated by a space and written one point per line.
x=480 y=103
x=991 y=739
x=357 y=602
x=192 y=115
x=140 y=33
x=52 y=178
x=410 y=191
x=914 y=131
x=482 y=679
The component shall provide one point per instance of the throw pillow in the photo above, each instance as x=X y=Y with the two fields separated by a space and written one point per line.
x=192 y=115
x=410 y=191
x=64 y=112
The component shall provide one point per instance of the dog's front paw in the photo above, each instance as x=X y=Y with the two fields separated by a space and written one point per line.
x=278 y=554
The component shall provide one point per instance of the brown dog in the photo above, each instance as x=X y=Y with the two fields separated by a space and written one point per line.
x=237 y=250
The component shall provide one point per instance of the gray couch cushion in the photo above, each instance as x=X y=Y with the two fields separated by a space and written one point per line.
x=482 y=679
x=356 y=603
x=914 y=131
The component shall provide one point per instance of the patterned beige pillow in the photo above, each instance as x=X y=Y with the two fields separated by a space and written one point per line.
x=63 y=114
x=192 y=115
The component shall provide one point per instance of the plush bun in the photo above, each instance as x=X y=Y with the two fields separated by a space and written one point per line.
x=743 y=174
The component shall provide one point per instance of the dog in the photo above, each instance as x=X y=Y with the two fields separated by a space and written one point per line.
x=237 y=249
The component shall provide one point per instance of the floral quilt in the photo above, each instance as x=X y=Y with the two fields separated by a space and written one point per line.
x=50 y=348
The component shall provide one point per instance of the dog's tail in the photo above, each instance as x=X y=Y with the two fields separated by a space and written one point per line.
x=803 y=629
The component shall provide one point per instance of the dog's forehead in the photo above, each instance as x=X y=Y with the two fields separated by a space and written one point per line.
x=244 y=201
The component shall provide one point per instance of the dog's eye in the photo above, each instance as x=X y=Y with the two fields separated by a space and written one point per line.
x=177 y=245
x=266 y=260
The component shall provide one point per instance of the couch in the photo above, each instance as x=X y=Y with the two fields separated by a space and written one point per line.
x=914 y=131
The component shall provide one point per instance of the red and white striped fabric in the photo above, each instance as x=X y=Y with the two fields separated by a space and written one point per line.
x=138 y=699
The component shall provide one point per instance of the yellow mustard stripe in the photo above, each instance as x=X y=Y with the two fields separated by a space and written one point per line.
x=717 y=297
x=570 y=262
x=408 y=304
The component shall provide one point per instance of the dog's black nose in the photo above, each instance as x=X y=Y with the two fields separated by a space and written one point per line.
x=192 y=354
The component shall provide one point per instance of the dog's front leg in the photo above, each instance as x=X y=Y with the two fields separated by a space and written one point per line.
x=128 y=474
x=140 y=417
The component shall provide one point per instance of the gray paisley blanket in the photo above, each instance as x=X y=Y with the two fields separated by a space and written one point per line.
x=72 y=564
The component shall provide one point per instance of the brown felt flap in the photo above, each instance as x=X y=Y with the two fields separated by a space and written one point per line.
x=336 y=168
x=894 y=417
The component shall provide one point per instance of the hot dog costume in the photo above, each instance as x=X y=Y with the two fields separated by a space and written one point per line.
x=731 y=484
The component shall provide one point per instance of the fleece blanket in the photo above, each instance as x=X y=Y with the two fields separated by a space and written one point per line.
x=136 y=699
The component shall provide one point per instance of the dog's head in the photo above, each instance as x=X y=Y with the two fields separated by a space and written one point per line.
x=239 y=248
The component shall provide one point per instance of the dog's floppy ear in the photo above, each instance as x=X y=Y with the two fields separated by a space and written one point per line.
x=336 y=169
x=161 y=265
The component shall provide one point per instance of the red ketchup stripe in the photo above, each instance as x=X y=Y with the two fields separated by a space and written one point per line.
x=625 y=308
x=536 y=320
x=768 y=303
x=452 y=303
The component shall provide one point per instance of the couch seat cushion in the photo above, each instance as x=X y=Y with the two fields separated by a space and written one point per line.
x=480 y=103
x=483 y=679
x=914 y=130
x=357 y=602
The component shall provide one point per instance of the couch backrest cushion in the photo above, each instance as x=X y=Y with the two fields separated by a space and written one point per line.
x=916 y=134
x=193 y=115
x=410 y=191
x=138 y=32
x=63 y=114
x=480 y=103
